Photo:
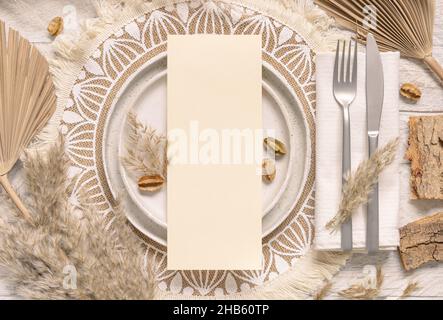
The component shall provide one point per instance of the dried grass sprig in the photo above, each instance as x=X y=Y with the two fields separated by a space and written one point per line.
x=410 y=288
x=27 y=101
x=400 y=25
x=362 y=291
x=107 y=260
x=359 y=185
x=323 y=292
x=145 y=149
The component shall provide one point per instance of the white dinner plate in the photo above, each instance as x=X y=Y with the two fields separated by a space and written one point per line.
x=145 y=95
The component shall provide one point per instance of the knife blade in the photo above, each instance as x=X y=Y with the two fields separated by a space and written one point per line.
x=374 y=84
x=374 y=107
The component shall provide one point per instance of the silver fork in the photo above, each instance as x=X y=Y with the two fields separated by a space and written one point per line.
x=345 y=88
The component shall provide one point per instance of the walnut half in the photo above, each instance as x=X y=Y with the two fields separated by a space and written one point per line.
x=55 y=27
x=151 y=183
x=410 y=92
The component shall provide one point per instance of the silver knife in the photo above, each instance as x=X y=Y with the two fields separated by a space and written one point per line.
x=374 y=106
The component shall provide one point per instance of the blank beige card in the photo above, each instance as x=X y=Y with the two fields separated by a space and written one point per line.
x=214 y=186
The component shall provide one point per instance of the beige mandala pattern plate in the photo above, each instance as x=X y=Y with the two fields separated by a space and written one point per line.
x=122 y=55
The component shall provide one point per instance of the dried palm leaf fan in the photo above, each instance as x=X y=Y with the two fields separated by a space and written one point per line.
x=401 y=25
x=27 y=101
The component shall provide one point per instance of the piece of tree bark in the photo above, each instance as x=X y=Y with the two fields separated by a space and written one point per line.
x=422 y=241
x=426 y=155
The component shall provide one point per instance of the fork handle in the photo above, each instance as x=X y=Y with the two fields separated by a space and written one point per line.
x=346 y=227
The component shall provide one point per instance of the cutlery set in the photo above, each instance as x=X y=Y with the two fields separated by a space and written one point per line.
x=345 y=90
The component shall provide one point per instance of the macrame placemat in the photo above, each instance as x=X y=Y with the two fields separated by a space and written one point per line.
x=122 y=53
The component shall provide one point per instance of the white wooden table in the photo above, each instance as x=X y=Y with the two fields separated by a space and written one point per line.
x=31 y=17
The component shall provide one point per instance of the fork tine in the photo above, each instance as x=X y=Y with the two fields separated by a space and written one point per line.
x=354 y=71
x=337 y=56
x=348 y=71
x=342 y=69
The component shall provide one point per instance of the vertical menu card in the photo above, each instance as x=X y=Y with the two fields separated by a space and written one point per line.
x=214 y=187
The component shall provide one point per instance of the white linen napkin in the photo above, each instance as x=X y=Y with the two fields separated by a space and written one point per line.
x=329 y=153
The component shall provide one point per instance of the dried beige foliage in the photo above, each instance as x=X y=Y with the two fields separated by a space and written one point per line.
x=410 y=289
x=359 y=184
x=323 y=292
x=145 y=150
x=105 y=255
x=362 y=291
x=405 y=25
x=27 y=102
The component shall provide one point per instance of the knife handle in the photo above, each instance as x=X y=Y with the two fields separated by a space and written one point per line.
x=372 y=224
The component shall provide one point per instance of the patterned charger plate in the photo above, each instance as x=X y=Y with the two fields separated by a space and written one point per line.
x=117 y=62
